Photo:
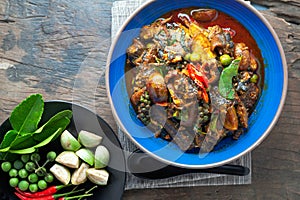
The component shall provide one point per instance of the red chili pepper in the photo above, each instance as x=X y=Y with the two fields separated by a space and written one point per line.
x=200 y=79
x=21 y=197
x=49 y=191
x=204 y=96
x=49 y=197
x=197 y=75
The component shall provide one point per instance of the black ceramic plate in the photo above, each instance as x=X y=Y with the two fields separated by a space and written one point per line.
x=83 y=119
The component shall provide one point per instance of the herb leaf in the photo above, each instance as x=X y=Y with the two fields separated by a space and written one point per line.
x=50 y=138
x=9 y=137
x=25 y=137
x=60 y=120
x=43 y=143
x=225 y=83
x=23 y=141
x=23 y=151
x=3 y=150
x=26 y=116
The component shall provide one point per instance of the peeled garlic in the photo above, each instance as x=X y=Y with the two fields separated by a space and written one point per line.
x=79 y=176
x=97 y=176
x=89 y=139
x=69 y=142
x=61 y=173
x=68 y=159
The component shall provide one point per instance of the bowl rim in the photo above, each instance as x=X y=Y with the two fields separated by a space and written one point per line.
x=215 y=164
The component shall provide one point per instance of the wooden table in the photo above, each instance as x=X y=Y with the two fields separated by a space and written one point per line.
x=58 y=48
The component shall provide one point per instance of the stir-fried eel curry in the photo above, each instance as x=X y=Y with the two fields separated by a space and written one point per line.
x=194 y=77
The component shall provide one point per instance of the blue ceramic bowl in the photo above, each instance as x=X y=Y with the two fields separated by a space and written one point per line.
x=261 y=121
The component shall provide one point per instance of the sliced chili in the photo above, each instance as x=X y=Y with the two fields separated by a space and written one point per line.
x=198 y=75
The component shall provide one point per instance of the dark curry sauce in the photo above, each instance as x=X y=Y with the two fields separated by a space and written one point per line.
x=226 y=21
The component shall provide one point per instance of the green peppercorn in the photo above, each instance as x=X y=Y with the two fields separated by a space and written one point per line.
x=206 y=111
x=225 y=59
x=254 y=78
x=205 y=118
x=200 y=118
x=206 y=105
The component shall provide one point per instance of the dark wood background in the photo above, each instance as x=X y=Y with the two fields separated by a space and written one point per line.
x=58 y=48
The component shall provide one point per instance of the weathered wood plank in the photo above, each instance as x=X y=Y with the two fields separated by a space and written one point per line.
x=46 y=46
x=286 y=9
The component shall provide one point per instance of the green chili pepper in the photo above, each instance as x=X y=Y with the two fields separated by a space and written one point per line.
x=225 y=84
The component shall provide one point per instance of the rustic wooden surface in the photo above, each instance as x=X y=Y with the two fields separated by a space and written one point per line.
x=58 y=48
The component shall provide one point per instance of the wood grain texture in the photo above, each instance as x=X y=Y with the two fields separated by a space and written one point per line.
x=59 y=48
